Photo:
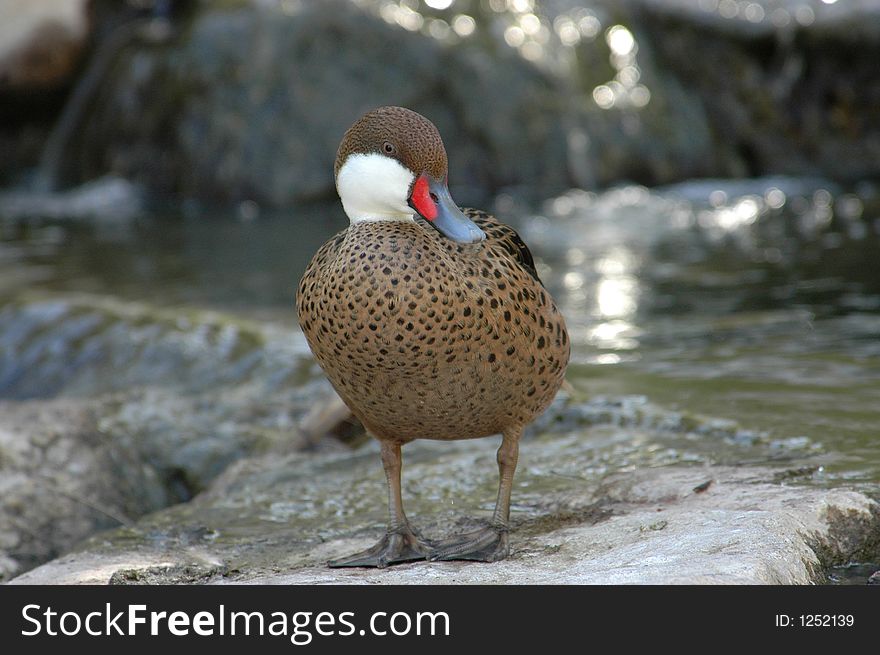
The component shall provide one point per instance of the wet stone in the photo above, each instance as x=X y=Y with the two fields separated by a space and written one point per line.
x=278 y=520
x=109 y=411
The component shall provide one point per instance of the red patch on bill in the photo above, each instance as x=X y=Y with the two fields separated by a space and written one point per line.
x=421 y=199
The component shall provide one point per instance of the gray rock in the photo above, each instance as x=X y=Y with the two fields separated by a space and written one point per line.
x=785 y=84
x=72 y=467
x=772 y=17
x=247 y=101
x=251 y=102
x=115 y=409
x=62 y=479
x=277 y=520
x=82 y=344
x=153 y=407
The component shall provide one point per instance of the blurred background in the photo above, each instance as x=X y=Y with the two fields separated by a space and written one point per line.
x=698 y=181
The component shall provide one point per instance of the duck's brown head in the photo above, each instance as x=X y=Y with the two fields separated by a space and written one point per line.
x=392 y=163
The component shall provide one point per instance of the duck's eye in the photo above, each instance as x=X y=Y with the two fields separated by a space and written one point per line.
x=389 y=148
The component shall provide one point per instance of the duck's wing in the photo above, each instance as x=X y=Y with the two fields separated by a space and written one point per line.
x=497 y=233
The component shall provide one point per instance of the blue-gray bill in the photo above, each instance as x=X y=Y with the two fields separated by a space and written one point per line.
x=450 y=221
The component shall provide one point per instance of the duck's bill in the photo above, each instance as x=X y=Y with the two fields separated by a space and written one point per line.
x=431 y=199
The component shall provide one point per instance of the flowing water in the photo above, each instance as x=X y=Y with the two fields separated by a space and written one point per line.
x=759 y=303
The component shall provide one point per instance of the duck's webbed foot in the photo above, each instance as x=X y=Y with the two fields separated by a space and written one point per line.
x=395 y=547
x=489 y=544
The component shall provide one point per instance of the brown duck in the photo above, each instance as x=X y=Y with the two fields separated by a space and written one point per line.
x=429 y=320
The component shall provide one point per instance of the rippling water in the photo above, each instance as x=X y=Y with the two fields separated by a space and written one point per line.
x=755 y=301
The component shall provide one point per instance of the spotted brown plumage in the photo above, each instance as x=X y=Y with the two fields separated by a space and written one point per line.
x=427 y=338
x=423 y=339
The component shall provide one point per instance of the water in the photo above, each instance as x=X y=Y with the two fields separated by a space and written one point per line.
x=856 y=573
x=753 y=301
x=215 y=262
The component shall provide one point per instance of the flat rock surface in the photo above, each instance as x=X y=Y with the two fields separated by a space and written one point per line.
x=277 y=520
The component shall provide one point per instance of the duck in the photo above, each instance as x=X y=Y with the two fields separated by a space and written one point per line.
x=430 y=322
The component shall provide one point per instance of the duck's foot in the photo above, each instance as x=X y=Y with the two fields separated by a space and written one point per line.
x=394 y=548
x=488 y=544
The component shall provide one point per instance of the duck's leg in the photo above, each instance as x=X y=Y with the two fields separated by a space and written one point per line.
x=488 y=544
x=401 y=542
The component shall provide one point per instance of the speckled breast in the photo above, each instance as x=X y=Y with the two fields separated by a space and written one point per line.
x=425 y=338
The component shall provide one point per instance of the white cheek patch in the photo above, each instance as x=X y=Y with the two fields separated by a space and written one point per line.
x=374 y=187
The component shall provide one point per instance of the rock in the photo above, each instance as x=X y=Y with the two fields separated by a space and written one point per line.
x=246 y=101
x=90 y=345
x=112 y=411
x=201 y=411
x=73 y=467
x=268 y=132
x=53 y=54
x=769 y=17
x=40 y=42
x=276 y=521
x=62 y=480
x=785 y=84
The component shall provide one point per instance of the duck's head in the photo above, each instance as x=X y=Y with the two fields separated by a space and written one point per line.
x=390 y=165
